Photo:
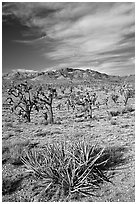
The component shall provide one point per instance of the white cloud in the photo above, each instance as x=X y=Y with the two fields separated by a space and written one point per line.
x=79 y=32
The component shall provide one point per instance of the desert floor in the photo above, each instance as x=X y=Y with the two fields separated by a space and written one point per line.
x=103 y=130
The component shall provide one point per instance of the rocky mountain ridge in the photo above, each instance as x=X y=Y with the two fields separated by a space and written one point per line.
x=71 y=74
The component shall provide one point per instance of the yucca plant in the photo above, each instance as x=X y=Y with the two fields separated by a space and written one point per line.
x=63 y=172
x=92 y=159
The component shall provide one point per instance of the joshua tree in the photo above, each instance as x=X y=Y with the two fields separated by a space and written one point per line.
x=71 y=89
x=128 y=93
x=46 y=99
x=87 y=102
x=70 y=103
x=94 y=98
x=22 y=99
x=106 y=100
x=62 y=89
x=90 y=100
x=58 y=106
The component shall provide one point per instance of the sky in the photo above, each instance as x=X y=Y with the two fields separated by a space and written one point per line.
x=51 y=35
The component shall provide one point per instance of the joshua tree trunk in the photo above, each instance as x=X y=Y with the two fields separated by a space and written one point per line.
x=50 y=113
x=28 y=116
x=90 y=111
x=27 y=113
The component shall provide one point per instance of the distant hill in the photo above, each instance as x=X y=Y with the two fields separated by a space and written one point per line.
x=64 y=75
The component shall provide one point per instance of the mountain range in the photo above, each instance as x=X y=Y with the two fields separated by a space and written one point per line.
x=63 y=75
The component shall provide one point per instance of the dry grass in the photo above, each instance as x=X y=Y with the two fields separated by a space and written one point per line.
x=113 y=133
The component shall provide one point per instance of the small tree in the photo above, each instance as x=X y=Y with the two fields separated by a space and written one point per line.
x=21 y=99
x=46 y=99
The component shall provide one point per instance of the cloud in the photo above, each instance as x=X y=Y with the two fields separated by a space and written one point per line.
x=80 y=33
x=30 y=42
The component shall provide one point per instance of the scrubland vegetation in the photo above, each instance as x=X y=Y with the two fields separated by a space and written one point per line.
x=68 y=143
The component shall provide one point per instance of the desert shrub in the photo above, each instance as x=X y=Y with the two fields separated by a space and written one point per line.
x=127 y=109
x=5 y=148
x=16 y=154
x=113 y=122
x=114 y=113
x=8 y=135
x=63 y=173
x=7 y=120
x=58 y=120
x=5 y=153
x=124 y=110
x=13 y=152
x=59 y=97
x=114 y=97
x=9 y=124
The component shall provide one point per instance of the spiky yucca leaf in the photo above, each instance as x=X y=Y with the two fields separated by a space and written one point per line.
x=84 y=152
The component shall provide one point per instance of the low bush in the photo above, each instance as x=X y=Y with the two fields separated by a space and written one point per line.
x=124 y=110
x=9 y=125
x=127 y=109
x=5 y=153
x=13 y=152
x=16 y=154
x=114 y=97
x=113 y=122
x=114 y=113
